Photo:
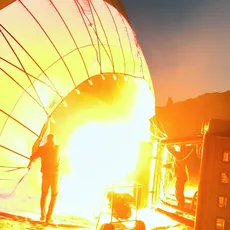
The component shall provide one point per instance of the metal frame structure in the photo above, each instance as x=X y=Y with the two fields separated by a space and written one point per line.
x=112 y=188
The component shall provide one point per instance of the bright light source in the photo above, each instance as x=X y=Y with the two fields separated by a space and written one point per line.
x=125 y=78
x=65 y=103
x=177 y=148
x=102 y=152
x=52 y=119
x=77 y=91
x=98 y=161
x=90 y=82
x=114 y=76
x=102 y=77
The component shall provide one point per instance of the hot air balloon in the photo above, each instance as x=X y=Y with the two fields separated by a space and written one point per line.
x=74 y=68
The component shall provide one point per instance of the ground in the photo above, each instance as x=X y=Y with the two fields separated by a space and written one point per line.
x=158 y=221
x=6 y=224
x=18 y=213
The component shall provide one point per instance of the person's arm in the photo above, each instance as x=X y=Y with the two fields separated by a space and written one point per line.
x=168 y=165
x=34 y=156
x=173 y=152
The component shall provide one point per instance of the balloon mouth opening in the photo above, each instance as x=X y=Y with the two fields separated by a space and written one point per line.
x=100 y=133
x=99 y=129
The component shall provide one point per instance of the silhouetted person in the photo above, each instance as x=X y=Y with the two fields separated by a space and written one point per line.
x=50 y=165
x=181 y=178
x=180 y=173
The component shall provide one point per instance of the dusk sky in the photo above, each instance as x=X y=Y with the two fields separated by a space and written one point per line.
x=186 y=45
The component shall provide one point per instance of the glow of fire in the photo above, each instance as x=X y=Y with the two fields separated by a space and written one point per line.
x=99 y=154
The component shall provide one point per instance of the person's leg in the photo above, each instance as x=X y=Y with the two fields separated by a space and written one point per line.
x=45 y=190
x=179 y=192
x=54 y=193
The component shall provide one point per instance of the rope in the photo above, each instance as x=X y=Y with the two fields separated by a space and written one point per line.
x=13 y=169
x=161 y=125
x=153 y=123
x=157 y=137
x=7 y=179
x=10 y=167
x=19 y=154
x=22 y=178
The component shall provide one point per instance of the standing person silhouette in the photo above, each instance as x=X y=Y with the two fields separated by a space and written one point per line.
x=181 y=176
x=50 y=168
x=180 y=171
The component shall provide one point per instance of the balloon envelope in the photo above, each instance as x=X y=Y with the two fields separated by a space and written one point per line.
x=50 y=49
